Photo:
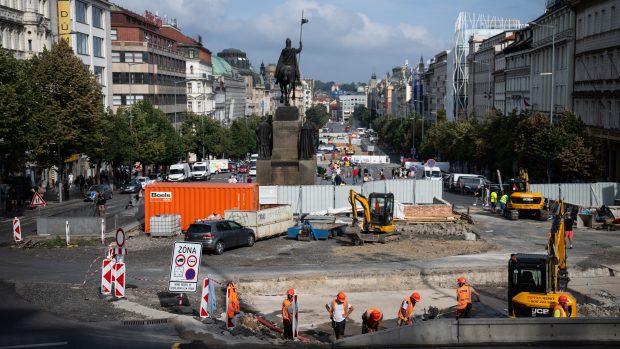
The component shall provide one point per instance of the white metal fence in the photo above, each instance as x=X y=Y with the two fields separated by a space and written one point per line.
x=313 y=198
x=581 y=194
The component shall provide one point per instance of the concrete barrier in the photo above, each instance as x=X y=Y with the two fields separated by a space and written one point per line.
x=491 y=331
x=79 y=226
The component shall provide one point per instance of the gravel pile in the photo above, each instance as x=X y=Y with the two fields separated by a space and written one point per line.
x=448 y=231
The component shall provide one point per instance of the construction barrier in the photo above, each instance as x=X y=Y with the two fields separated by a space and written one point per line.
x=17 y=230
x=581 y=194
x=204 y=299
x=106 y=276
x=119 y=280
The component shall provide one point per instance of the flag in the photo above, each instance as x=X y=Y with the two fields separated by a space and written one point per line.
x=304 y=21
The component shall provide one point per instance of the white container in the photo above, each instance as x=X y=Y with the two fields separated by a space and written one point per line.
x=165 y=225
x=266 y=223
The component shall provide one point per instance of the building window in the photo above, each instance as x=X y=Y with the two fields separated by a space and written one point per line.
x=117 y=100
x=97 y=46
x=80 y=12
x=199 y=106
x=82 y=43
x=97 y=17
x=116 y=57
x=29 y=44
x=99 y=75
x=189 y=106
x=189 y=87
x=113 y=34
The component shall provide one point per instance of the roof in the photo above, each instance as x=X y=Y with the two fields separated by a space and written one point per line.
x=181 y=38
x=220 y=66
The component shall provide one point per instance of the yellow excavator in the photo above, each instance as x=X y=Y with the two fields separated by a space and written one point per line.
x=524 y=202
x=536 y=281
x=378 y=224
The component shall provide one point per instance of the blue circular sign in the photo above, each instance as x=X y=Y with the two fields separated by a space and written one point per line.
x=190 y=274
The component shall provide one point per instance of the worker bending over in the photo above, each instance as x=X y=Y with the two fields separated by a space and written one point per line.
x=371 y=320
x=464 y=298
x=287 y=314
x=405 y=312
x=338 y=312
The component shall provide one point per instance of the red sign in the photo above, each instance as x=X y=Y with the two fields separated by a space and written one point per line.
x=120 y=237
x=37 y=200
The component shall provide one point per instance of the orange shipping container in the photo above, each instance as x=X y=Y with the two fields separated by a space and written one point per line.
x=197 y=200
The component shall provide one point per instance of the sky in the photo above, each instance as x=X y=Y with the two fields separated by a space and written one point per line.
x=344 y=40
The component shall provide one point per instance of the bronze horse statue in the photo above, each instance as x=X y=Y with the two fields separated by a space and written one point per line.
x=287 y=71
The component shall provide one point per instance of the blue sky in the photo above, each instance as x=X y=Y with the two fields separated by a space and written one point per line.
x=345 y=40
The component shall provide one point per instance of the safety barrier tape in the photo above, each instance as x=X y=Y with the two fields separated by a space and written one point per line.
x=88 y=273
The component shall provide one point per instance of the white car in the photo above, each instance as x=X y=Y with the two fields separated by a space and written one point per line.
x=144 y=181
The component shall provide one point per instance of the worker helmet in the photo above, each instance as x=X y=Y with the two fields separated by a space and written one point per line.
x=290 y=292
x=461 y=280
x=376 y=315
x=563 y=299
x=341 y=296
x=416 y=296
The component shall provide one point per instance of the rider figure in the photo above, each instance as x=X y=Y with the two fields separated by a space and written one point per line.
x=288 y=57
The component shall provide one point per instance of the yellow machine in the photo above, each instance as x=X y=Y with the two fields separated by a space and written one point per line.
x=523 y=202
x=378 y=224
x=536 y=281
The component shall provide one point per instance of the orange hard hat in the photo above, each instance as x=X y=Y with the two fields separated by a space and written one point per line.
x=290 y=292
x=376 y=315
x=341 y=296
x=563 y=299
x=461 y=280
x=416 y=296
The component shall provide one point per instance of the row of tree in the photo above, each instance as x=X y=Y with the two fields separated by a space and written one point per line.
x=559 y=152
x=52 y=107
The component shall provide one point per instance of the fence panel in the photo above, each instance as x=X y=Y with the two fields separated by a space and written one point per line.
x=289 y=195
x=317 y=198
x=425 y=191
x=342 y=195
x=582 y=194
x=403 y=190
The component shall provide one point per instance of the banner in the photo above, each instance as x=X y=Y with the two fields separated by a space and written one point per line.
x=64 y=19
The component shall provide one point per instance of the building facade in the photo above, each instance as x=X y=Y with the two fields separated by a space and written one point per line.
x=147 y=64
x=229 y=89
x=347 y=104
x=25 y=27
x=436 y=78
x=517 y=87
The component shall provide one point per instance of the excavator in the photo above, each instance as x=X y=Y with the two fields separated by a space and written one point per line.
x=378 y=224
x=524 y=202
x=536 y=281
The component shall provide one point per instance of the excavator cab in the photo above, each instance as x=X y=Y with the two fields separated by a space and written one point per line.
x=378 y=218
x=381 y=209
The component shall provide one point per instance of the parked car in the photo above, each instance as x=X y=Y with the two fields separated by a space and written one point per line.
x=180 y=173
x=131 y=186
x=217 y=235
x=243 y=168
x=232 y=166
x=105 y=188
x=144 y=181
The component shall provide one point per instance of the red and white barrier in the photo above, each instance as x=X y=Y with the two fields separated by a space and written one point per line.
x=204 y=300
x=106 y=276
x=17 y=230
x=119 y=280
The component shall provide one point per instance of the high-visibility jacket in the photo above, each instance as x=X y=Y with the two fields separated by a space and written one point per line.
x=558 y=311
x=287 y=310
x=463 y=297
x=405 y=314
x=493 y=197
x=504 y=199
x=233 y=300
x=345 y=306
x=370 y=322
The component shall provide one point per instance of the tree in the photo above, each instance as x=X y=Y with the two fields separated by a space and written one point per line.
x=362 y=115
x=318 y=115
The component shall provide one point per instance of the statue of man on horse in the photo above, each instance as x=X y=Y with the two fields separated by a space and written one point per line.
x=287 y=71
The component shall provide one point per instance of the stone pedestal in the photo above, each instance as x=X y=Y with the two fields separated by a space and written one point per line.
x=263 y=172
x=307 y=172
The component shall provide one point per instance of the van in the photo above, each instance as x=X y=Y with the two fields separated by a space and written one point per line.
x=179 y=173
x=454 y=180
x=201 y=171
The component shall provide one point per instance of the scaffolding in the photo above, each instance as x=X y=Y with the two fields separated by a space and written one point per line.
x=466 y=26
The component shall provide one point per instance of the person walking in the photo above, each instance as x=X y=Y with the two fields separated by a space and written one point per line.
x=359 y=173
x=287 y=314
x=561 y=309
x=371 y=319
x=568 y=229
x=354 y=175
x=339 y=311
x=493 y=201
x=464 y=295
x=381 y=175
x=405 y=312
x=100 y=202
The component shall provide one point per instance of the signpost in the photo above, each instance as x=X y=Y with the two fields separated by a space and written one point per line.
x=185 y=267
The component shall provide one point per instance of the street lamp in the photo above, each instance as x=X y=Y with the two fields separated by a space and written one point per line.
x=552 y=66
x=490 y=89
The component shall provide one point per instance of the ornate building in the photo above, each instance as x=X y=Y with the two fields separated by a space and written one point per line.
x=25 y=27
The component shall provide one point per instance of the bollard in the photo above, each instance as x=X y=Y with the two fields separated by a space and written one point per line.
x=67 y=232
x=102 y=231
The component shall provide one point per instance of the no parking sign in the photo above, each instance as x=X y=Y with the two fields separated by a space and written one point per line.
x=185 y=267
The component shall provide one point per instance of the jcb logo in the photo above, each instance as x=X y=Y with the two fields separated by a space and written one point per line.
x=539 y=312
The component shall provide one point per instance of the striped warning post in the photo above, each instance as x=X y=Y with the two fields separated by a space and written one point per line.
x=204 y=300
x=119 y=280
x=17 y=230
x=106 y=276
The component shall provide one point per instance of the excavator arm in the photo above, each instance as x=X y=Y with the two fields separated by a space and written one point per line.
x=556 y=250
x=353 y=199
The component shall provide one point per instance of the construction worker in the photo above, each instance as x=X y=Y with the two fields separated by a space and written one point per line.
x=464 y=298
x=287 y=314
x=503 y=201
x=561 y=309
x=371 y=320
x=493 y=201
x=338 y=312
x=405 y=312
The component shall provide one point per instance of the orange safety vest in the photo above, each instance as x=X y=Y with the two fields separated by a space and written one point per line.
x=287 y=310
x=345 y=306
x=369 y=320
x=463 y=297
x=233 y=301
x=408 y=312
x=559 y=308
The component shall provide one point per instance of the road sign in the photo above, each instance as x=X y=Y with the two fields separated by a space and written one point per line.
x=17 y=230
x=204 y=300
x=106 y=276
x=93 y=195
x=120 y=237
x=185 y=267
x=431 y=163
x=37 y=200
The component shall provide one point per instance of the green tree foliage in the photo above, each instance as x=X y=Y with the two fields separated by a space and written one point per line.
x=318 y=114
x=156 y=140
x=362 y=115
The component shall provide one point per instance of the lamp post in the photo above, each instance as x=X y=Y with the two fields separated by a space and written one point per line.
x=552 y=73
x=489 y=81
x=413 y=138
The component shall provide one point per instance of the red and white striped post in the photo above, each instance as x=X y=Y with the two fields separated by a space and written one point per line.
x=204 y=300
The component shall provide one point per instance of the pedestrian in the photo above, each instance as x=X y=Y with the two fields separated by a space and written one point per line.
x=568 y=229
x=561 y=309
x=493 y=201
x=249 y=180
x=100 y=202
x=359 y=173
x=381 y=175
x=371 y=319
x=339 y=312
x=366 y=178
x=232 y=179
x=287 y=314
x=464 y=298
x=487 y=193
x=354 y=175
x=477 y=194
x=338 y=180
x=502 y=202
x=405 y=312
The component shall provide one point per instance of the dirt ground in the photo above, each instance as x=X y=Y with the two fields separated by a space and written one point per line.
x=412 y=249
